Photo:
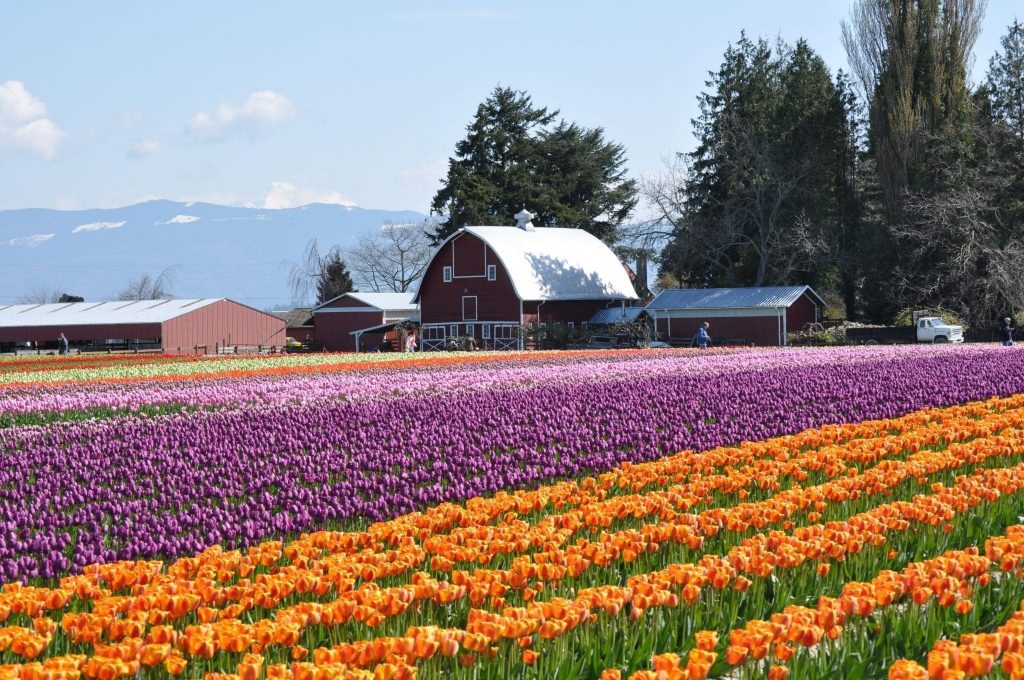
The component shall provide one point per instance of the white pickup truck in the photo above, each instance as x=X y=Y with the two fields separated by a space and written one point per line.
x=925 y=329
x=934 y=329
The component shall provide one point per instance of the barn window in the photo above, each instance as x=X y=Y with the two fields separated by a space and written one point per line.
x=453 y=330
x=485 y=332
x=446 y=273
x=492 y=272
x=572 y=325
x=469 y=330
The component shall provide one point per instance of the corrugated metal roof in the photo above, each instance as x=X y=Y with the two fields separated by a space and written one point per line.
x=614 y=315
x=300 y=316
x=99 y=313
x=553 y=263
x=770 y=297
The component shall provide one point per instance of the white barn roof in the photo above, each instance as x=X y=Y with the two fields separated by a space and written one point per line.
x=553 y=263
x=765 y=297
x=388 y=302
x=99 y=313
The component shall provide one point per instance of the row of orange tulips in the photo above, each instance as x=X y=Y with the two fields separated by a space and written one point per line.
x=755 y=558
x=948 y=579
x=166 y=597
x=977 y=655
x=131 y=616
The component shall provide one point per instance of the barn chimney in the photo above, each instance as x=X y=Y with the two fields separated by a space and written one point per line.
x=523 y=218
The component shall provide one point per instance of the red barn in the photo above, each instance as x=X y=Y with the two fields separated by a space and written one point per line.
x=354 y=318
x=759 y=316
x=175 y=326
x=487 y=282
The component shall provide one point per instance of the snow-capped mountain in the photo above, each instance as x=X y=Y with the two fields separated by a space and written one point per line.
x=216 y=250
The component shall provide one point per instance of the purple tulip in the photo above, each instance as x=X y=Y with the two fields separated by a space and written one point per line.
x=287 y=455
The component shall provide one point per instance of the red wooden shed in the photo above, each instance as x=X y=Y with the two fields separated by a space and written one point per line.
x=194 y=326
x=298 y=323
x=487 y=282
x=759 y=316
x=338 y=322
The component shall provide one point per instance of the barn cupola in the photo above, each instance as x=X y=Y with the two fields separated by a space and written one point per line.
x=523 y=218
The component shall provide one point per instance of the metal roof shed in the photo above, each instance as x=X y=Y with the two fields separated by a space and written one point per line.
x=174 y=326
x=610 y=316
x=337 y=319
x=761 y=315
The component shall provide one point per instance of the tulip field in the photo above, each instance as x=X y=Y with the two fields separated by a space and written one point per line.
x=664 y=514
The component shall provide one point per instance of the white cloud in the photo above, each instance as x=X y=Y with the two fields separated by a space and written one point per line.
x=30 y=241
x=260 y=110
x=418 y=183
x=130 y=119
x=98 y=226
x=287 y=195
x=145 y=147
x=181 y=219
x=23 y=122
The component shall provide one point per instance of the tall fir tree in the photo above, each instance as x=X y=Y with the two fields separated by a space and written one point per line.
x=1005 y=81
x=762 y=190
x=516 y=155
x=334 y=278
x=1003 y=99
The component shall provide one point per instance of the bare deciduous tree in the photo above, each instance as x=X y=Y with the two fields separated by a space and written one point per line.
x=958 y=250
x=311 y=279
x=148 y=287
x=391 y=260
x=752 y=216
x=694 y=241
x=41 y=294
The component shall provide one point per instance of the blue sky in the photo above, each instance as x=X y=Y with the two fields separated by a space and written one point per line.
x=278 y=104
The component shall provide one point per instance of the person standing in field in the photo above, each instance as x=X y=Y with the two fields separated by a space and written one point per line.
x=702 y=339
x=410 y=342
x=62 y=344
x=1006 y=331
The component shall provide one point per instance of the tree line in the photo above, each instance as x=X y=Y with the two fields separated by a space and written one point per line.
x=896 y=184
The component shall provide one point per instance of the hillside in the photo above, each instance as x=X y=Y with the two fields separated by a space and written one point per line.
x=216 y=250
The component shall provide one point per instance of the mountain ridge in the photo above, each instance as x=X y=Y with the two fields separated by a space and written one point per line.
x=238 y=252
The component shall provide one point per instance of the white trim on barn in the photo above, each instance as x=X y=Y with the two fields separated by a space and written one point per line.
x=502 y=334
x=552 y=263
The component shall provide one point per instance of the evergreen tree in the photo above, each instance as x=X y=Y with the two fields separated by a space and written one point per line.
x=1005 y=81
x=768 y=184
x=845 y=119
x=1003 y=104
x=515 y=155
x=334 y=279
